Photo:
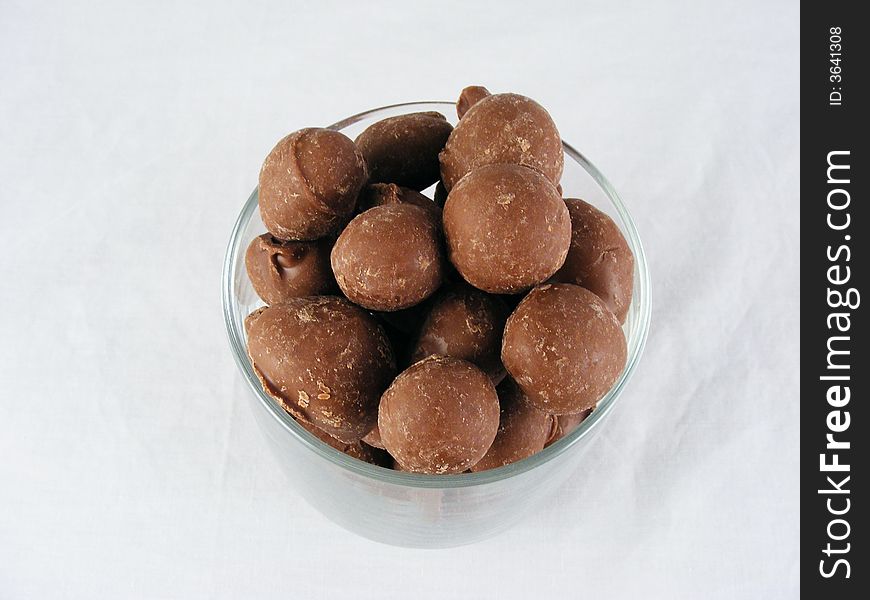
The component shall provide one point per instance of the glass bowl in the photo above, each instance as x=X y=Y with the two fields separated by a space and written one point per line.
x=408 y=509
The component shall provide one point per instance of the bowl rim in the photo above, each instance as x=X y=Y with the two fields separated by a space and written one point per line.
x=636 y=343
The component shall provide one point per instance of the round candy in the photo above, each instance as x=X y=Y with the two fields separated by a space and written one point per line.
x=522 y=431
x=325 y=361
x=389 y=257
x=380 y=194
x=565 y=424
x=564 y=348
x=358 y=450
x=469 y=97
x=503 y=129
x=404 y=149
x=506 y=228
x=309 y=184
x=281 y=270
x=464 y=323
x=439 y=416
x=599 y=258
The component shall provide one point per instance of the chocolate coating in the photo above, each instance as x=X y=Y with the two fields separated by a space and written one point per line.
x=281 y=270
x=325 y=361
x=599 y=258
x=564 y=348
x=522 y=431
x=357 y=450
x=503 y=129
x=506 y=228
x=389 y=257
x=464 y=323
x=309 y=184
x=565 y=424
x=404 y=149
x=439 y=416
x=382 y=194
x=469 y=97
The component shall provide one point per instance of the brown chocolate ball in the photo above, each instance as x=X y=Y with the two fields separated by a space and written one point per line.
x=439 y=416
x=565 y=424
x=469 y=97
x=404 y=149
x=325 y=361
x=309 y=184
x=522 y=431
x=503 y=129
x=281 y=270
x=564 y=348
x=506 y=228
x=389 y=257
x=381 y=194
x=357 y=450
x=464 y=323
x=599 y=258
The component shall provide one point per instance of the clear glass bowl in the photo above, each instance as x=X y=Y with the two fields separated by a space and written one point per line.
x=408 y=509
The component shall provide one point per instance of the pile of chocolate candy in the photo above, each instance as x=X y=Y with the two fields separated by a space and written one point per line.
x=436 y=335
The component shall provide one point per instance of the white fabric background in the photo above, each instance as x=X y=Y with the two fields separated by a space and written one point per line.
x=130 y=464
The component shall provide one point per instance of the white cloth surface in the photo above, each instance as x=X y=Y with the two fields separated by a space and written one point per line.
x=130 y=463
